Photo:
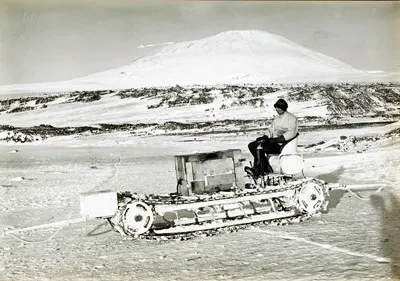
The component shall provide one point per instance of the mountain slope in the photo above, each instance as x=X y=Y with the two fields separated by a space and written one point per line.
x=231 y=57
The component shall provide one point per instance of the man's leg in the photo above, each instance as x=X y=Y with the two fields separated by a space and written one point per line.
x=256 y=169
x=253 y=150
x=270 y=148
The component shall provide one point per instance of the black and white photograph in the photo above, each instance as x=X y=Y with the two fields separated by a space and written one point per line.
x=199 y=140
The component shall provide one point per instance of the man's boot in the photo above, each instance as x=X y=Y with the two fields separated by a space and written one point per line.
x=253 y=171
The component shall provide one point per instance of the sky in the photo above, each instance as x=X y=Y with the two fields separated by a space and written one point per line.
x=49 y=40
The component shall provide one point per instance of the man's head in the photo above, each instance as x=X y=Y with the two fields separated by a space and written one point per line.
x=281 y=106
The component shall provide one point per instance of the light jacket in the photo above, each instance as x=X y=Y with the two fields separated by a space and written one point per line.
x=285 y=124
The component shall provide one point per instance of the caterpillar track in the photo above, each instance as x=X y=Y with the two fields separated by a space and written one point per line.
x=284 y=199
x=213 y=195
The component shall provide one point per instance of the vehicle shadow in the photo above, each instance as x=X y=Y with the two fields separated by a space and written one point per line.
x=390 y=229
x=334 y=195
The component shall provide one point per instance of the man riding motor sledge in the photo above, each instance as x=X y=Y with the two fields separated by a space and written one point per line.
x=283 y=129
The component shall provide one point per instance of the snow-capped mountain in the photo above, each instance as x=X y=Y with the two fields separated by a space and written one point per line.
x=228 y=57
x=231 y=57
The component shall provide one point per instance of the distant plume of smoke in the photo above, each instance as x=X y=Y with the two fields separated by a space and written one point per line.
x=154 y=45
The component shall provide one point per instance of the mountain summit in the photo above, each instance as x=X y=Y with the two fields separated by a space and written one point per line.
x=249 y=56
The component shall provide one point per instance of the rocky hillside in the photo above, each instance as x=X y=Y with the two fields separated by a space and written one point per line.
x=200 y=109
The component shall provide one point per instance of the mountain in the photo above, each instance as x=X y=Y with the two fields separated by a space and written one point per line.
x=231 y=57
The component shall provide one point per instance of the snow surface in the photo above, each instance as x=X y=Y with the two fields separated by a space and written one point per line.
x=40 y=183
x=231 y=57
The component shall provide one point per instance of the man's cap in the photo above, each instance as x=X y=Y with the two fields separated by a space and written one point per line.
x=282 y=104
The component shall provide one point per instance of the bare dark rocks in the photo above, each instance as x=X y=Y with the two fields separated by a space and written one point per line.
x=341 y=100
x=21 y=109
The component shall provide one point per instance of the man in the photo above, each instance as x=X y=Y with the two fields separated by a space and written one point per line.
x=283 y=129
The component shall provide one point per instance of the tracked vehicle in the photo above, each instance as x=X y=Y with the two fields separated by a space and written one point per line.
x=213 y=192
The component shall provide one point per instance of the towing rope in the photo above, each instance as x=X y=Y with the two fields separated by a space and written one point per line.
x=326 y=246
x=113 y=175
x=68 y=221
x=38 y=241
x=355 y=195
x=358 y=196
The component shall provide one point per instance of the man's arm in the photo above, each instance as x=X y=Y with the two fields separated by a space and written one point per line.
x=268 y=134
x=270 y=130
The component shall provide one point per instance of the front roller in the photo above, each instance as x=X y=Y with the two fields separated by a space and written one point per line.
x=137 y=218
x=311 y=197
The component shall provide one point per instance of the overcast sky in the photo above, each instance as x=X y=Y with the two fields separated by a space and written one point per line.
x=45 y=41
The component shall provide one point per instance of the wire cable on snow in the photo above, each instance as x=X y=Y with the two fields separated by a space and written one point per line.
x=38 y=241
x=355 y=195
x=63 y=223
x=94 y=233
x=350 y=187
x=113 y=175
x=326 y=246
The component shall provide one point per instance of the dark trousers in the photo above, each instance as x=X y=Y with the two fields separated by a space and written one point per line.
x=267 y=148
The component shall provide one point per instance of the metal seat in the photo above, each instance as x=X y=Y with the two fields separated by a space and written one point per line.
x=289 y=160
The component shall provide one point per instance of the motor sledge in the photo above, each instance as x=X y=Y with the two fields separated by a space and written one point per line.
x=213 y=192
